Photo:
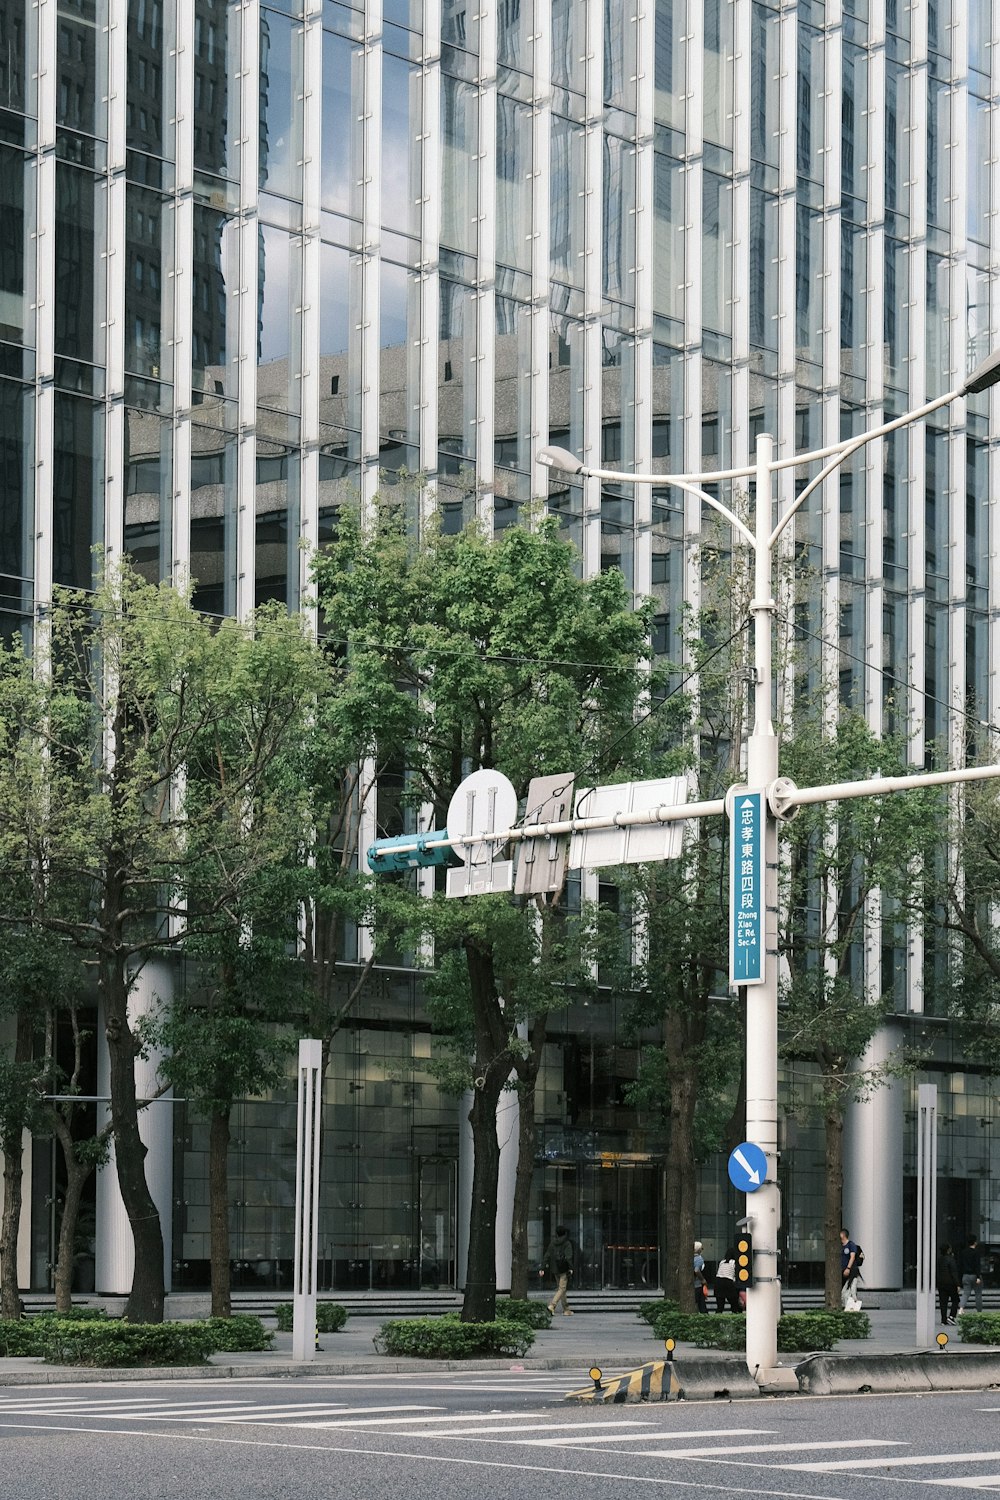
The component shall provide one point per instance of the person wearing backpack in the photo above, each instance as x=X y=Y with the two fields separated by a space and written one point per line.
x=559 y=1260
x=851 y=1260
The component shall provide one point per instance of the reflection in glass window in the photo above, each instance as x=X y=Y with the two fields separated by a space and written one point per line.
x=340 y=380
x=16 y=409
x=77 y=489
x=513 y=176
x=147 y=297
x=512 y=392
x=280 y=84
x=15 y=175
x=568 y=57
x=77 y=93
x=668 y=62
x=459 y=136
x=809 y=284
x=897 y=326
x=619 y=219
x=619 y=55
x=764 y=93
x=515 y=27
x=148 y=450
x=566 y=382
x=897 y=139
x=399 y=386
x=457 y=370
x=276 y=527
x=213 y=518
x=568 y=171
x=401 y=143
x=147 y=100
x=343 y=106
x=76 y=314
x=279 y=328
x=717 y=254
x=719 y=49
x=853 y=298
x=216 y=96
x=763 y=290
x=213 y=333
x=854 y=123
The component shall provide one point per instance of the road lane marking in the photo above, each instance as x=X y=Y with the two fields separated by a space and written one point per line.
x=654 y=1436
x=984 y=1482
x=430 y=1458
x=911 y=1461
x=788 y=1448
x=500 y=1416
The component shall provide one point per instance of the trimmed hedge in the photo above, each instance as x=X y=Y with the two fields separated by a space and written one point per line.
x=239 y=1334
x=113 y=1344
x=979 y=1328
x=448 y=1338
x=651 y=1311
x=803 y=1332
x=330 y=1317
x=533 y=1314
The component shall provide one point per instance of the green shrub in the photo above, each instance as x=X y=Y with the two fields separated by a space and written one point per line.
x=979 y=1328
x=684 y=1327
x=79 y=1314
x=21 y=1337
x=804 y=1333
x=330 y=1317
x=650 y=1311
x=534 y=1314
x=447 y=1338
x=721 y=1331
x=239 y=1333
x=852 y=1325
x=68 y=1341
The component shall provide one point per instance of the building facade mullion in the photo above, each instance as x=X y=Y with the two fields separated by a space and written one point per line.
x=180 y=280
x=484 y=374
x=430 y=240
x=593 y=240
x=643 y=318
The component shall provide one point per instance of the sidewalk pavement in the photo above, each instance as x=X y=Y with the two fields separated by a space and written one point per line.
x=615 y=1341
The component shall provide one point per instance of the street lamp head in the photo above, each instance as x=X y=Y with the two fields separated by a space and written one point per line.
x=560 y=458
x=986 y=373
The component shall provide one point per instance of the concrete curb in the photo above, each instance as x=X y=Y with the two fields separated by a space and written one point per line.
x=881 y=1374
x=714 y=1379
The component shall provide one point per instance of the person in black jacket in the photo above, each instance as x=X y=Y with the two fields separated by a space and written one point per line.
x=970 y=1271
x=559 y=1258
x=947 y=1284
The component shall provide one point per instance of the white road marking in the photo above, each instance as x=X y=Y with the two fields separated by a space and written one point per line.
x=911 y=1461
x=650 y=1435
x=361 y=1421
x=789 y=1448
x=984 y=1482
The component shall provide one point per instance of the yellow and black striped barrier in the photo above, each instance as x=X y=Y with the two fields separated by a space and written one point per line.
x=656 y=1381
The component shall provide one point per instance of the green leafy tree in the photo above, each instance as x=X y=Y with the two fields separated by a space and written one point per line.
x=513 y=663
x=136 y=758
x=840 y=858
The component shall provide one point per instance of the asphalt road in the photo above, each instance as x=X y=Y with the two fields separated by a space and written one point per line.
x=488 y=1435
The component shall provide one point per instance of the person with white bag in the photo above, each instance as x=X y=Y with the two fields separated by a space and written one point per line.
x=851 y=1258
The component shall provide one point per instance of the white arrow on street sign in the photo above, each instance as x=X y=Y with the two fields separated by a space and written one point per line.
x=483 y=804
x=752 y=1175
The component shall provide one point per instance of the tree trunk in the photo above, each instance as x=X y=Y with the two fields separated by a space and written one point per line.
x=218 y=1209
x=833 y=1200
x=77 y=1173
x=13 y=1177
x=145 y=1300
x=479 y=1305
x=681 y=1177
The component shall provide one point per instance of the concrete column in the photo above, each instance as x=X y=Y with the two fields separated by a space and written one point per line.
x=873 y=1175
x=115 y=1251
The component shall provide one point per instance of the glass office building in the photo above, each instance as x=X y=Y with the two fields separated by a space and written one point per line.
x=255 y=258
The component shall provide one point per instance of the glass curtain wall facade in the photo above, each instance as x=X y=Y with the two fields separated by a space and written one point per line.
x=324 y=242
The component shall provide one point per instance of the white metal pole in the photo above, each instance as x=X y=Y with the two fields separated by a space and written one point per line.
x=763 y=1206
x=307 y=1139
x=926 y=1210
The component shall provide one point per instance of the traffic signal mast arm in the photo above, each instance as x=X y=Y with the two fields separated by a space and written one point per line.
x=784 y=796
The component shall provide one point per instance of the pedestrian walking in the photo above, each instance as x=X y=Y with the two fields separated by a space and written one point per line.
x=851 y=1256
x=970 y=1270
x=727 y=1293
x=700 y=1280
x=560 y=1259
x=947 y=1284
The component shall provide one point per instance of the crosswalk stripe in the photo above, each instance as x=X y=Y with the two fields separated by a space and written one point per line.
x=500 y=1416
x=981 y=1482
x=911 y=1461
x=518 y=1427
x=789 y=1448
x=652 y=1434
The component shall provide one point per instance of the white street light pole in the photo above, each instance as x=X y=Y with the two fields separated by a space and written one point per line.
x=763 y=1206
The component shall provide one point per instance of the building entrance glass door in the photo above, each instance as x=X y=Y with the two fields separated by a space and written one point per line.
x=611 y=1208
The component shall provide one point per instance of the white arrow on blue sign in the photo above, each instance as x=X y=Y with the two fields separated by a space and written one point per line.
x=747 y=1167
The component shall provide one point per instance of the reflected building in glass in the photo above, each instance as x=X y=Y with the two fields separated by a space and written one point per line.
x=257 y=259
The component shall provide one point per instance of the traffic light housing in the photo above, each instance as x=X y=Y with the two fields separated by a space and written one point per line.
x=409 y=851
x=744 y=1260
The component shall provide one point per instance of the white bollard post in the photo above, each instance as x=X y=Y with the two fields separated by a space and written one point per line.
x=926 y=1211
x=307 y=1199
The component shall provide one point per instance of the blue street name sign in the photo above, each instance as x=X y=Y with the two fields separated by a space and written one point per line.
x=747 y=1167
x=746 y=888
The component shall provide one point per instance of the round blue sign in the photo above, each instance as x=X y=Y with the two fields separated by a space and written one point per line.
x=747 y=1167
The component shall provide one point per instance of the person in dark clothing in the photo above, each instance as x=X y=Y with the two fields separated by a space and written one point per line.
x=727 y=1293
x=970 y=1270
x=559 y=1258
x=947 y=1284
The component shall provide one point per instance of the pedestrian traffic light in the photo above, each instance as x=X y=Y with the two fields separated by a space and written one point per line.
x=744 y=1260
x=409 y=851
